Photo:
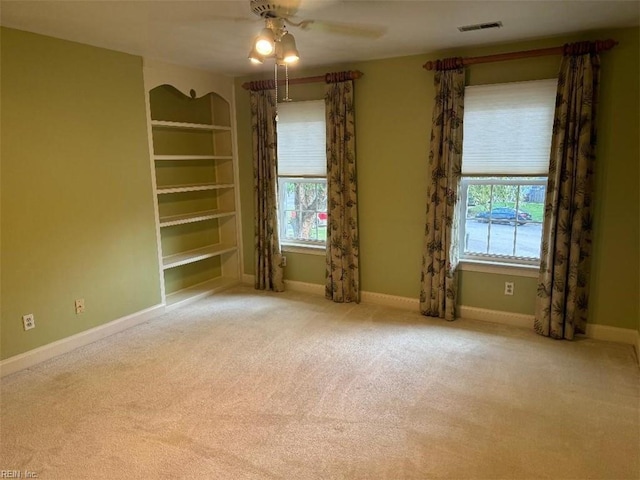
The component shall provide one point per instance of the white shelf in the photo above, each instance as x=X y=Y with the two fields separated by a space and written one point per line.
x=188 y=155
x=196 y=187
x=191 y=256
x=171 y=220
x=192 y=157
x=196 y=292
x=188 y=126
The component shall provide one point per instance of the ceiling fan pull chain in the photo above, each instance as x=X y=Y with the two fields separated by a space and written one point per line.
x=275 y=74
x=286 y=83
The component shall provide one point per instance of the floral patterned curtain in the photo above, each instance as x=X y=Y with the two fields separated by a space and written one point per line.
x=439 y=279
x=563 y=286
x=268 y=268
x=342 y=274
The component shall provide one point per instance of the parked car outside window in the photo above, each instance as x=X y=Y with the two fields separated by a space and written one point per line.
x=504 y=215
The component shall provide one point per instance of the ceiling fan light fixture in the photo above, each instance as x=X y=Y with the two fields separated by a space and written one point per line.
x=265 y=43
x=289 y=51
x=255 y=57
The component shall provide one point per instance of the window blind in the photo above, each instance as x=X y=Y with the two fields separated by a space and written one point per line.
x=302 y=139
x=508 y=127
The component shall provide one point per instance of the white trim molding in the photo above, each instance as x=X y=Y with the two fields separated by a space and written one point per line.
x=604 y=333
x=495 y=316
x=497 y=268
x=404 y=303
x=186 y=78
x=40 y=354
x=293 y=285
x=612 y=334
x=597 y=332
x=313 y=288
x=320 y=250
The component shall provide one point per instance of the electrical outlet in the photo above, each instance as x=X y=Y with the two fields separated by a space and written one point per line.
x=79 y=305
x=508 y=288
x=283 y=263
x=28 y=321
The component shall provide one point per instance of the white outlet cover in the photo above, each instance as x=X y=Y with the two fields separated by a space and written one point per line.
x=28 y=321
x=79 y=305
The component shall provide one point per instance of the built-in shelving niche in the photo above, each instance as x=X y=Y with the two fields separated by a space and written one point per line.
x=195 y=187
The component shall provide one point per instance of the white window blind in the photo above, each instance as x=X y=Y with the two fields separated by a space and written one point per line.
x=302 y=139
x=508 y=127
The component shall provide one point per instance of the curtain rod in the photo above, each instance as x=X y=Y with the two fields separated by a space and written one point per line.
x=456 y=62
x=333 y=77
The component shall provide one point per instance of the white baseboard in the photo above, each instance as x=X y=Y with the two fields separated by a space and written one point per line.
x=304 y=287
x=615 y=334
x=293 y=285
x=404 y=303
x=597 y=332
x=495 y=316
x=612 y=334
x=594 y=331
x=46 y=352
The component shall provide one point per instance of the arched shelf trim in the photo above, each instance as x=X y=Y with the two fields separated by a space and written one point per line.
x=193 y=155
x=186 y=80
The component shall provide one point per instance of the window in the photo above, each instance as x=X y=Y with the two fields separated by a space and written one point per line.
x=505 y=162
x=302 y=173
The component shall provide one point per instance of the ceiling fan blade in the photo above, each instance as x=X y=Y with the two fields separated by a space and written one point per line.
x=213 y=20
x=351 y=29
x=222 y=18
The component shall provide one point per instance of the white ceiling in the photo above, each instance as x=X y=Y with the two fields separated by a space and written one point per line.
x=216 y=35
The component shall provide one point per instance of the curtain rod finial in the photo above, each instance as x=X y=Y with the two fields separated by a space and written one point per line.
x=608 y=44
x=450 y=63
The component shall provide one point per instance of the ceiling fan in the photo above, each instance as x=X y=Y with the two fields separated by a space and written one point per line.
x=275 y=40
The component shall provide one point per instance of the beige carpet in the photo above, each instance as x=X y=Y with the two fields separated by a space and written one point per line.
x=246 y=385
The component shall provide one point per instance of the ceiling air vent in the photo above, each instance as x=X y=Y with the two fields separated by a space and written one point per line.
x=480 y=26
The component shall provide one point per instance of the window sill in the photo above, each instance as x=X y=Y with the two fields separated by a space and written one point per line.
x=305 y=249
x=499 y=268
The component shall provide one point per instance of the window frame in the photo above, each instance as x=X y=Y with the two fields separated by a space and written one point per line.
x=297 y=244
x=487 y=258
x=293 y=174
x=521 y=162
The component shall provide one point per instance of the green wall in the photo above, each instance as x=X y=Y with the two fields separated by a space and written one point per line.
x=76 y=204
x=394 y=101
